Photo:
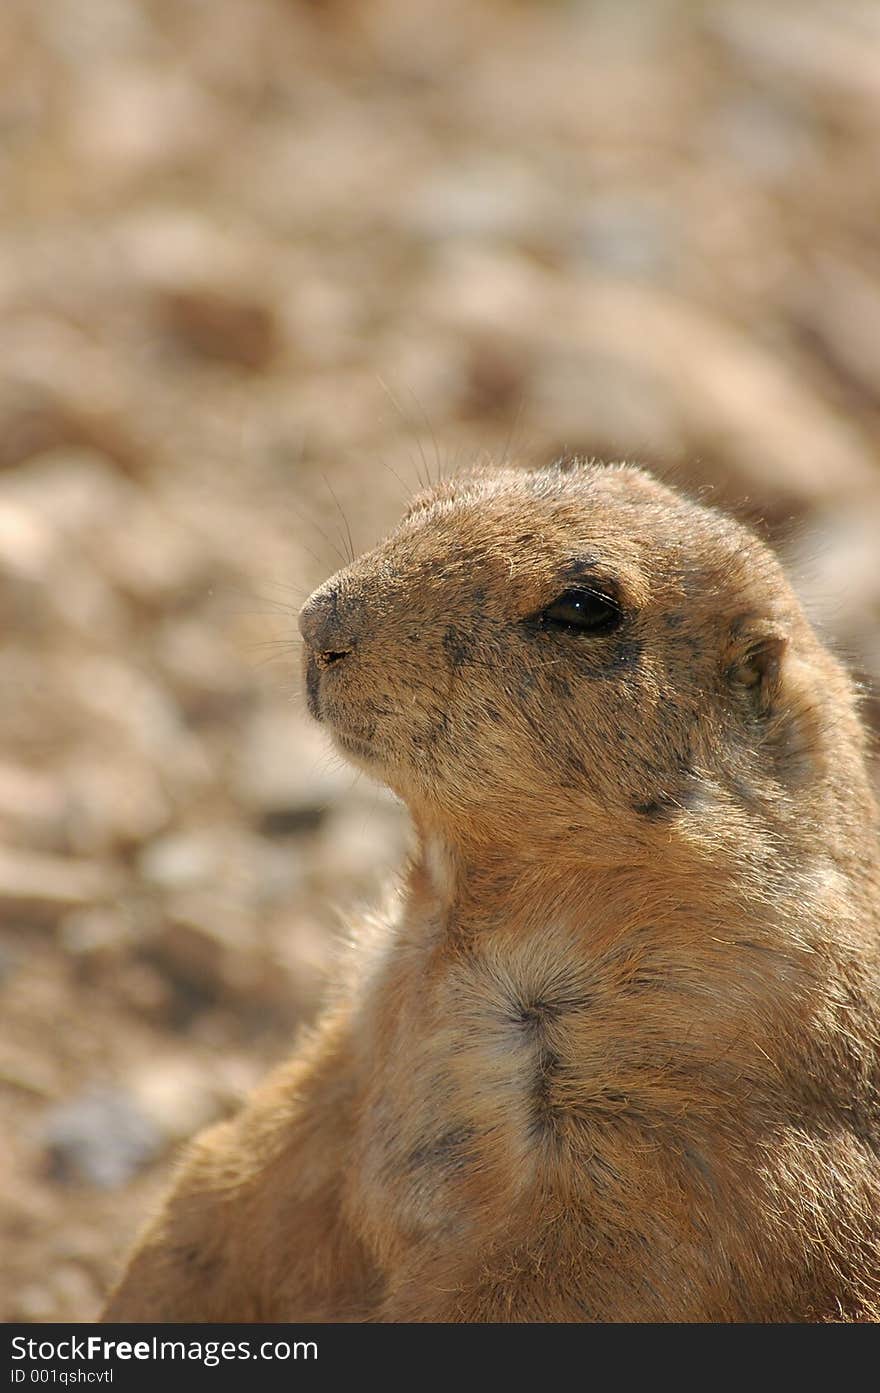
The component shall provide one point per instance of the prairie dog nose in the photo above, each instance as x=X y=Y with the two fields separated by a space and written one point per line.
x=326 y=634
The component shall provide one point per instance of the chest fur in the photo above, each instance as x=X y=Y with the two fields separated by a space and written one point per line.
x=479 y=1068
x=556 y=1065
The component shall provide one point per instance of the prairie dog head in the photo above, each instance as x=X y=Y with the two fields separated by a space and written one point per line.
x=570 y=653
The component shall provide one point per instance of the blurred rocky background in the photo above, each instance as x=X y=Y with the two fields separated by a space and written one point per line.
x=264 y=264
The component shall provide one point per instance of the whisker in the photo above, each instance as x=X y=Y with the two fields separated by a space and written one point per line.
x=321 y=533
x=426 y=482
x=508 y=444
x=265 y=662
x=351 y=550
x=424 y=415
x=407 y=490
x=289 y=645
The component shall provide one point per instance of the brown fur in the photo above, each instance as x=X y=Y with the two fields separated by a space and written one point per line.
x=615 y=1055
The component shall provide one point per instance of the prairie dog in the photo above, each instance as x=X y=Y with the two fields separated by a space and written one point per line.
x=615 y=1055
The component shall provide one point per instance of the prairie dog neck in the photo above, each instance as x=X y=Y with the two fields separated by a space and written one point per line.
x=474 y=889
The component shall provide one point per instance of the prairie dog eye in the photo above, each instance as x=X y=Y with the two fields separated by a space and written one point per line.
x=587 y=611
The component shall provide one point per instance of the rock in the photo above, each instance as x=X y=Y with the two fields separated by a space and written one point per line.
x=177 y=1095
x=206 y=673
x=216 y=325
x=88 y=809
x=277 y=869
x=32 y=881
x=606 y=405
x=182 y=860
x=27 y=1075
x=74 y=504
x=35 y=419
x=833 y=561
x=113 y=804
x=25 y=541
x=81 y=601
x=636 y=236
x=773 y=442
x=286 y=773
x=43 y=584
x=118 y=697
x=151 y=558
x=130 y=119
x=9 y=961
x=93 y=933
x=772 y=140
x=620 y=365
x=74 y=1290
x=206 y=969
x=473 y=290
x=839 y=310
x=362 y=842
x=70 y=491
x=484 y=199
x=33 y=807
x=102 y=1138
x=831 y=50
x=143 y=990
x=497 y=378
x=33 y=1303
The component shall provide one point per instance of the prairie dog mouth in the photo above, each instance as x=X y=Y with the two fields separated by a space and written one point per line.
x=355 y=745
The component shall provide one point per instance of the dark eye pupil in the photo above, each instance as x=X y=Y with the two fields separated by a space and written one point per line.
x=585 y=610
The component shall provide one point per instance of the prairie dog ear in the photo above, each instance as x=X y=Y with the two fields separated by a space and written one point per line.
x=753 y=662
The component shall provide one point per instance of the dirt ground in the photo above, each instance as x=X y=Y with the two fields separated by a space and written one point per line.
x=264 y=265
